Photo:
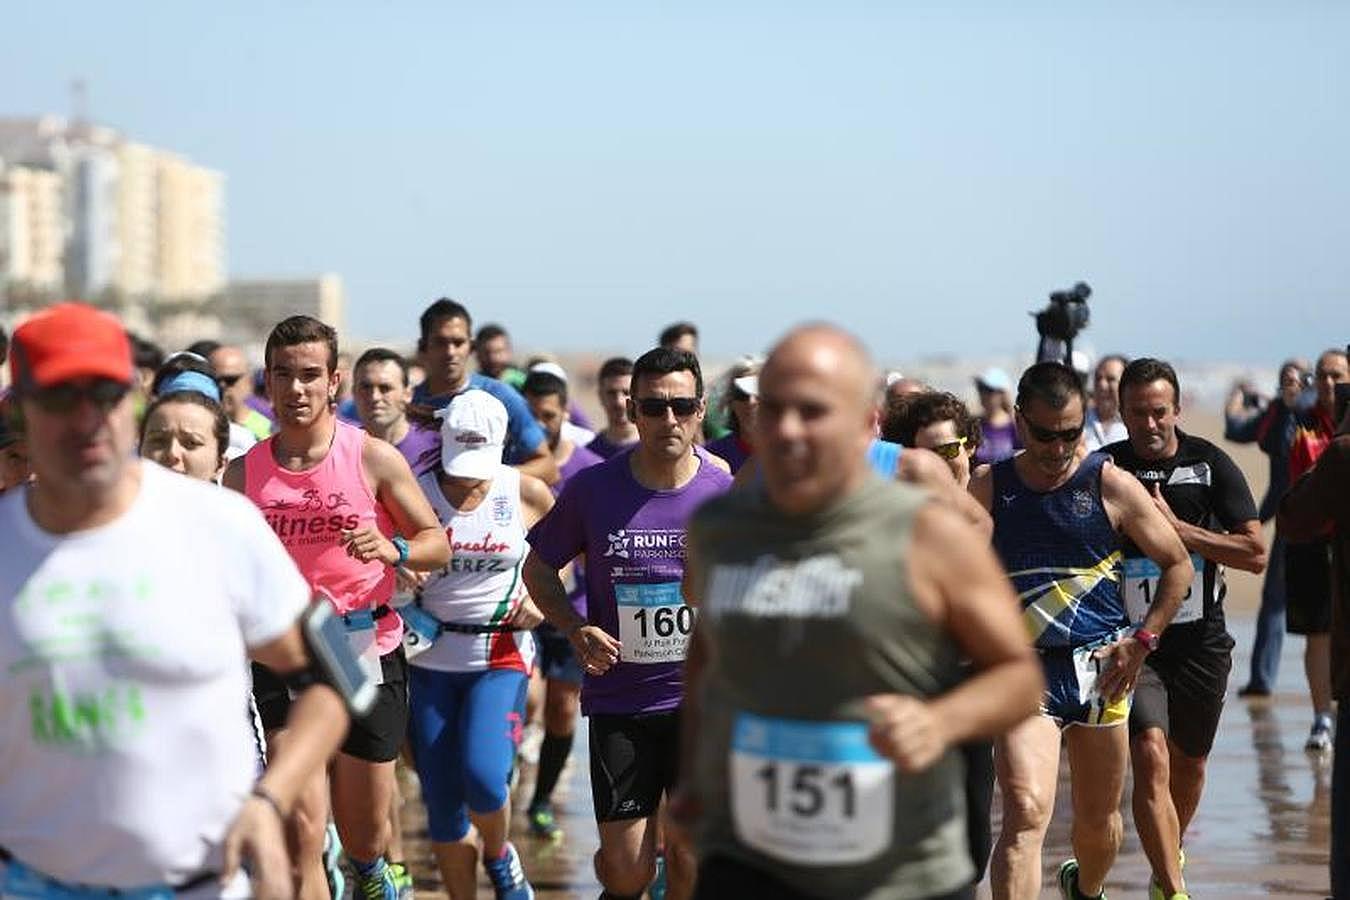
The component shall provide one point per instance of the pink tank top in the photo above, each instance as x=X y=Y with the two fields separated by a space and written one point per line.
x=309 y=510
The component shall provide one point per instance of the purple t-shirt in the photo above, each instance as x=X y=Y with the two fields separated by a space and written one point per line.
x=581 y=458
x=732 y=449
x=633 y=538
x=421 y=447
x=604 y=448
x=997 y=442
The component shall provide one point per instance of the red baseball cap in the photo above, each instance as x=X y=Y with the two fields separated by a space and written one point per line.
x=69 y=341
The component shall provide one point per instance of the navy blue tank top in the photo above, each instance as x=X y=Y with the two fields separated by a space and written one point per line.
x=1062 y=555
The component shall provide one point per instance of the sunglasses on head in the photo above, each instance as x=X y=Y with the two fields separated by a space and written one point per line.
x=1049 y=435
x=102 y=394
x=951 y=449
x=655 y=407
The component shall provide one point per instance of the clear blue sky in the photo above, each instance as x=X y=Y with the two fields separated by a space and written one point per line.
x=586 y=173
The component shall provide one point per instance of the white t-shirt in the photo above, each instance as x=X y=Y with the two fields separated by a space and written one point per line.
x=1097 y=434
x=241 y=440
x=125 y=751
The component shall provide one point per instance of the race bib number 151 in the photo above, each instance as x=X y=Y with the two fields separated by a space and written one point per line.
x=810 y=792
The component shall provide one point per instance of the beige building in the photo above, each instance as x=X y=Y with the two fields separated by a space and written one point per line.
x=137 y=220
x=250 y=308
x=32 y=228
x=191 y=229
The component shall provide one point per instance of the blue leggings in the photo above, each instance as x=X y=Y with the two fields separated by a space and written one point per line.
x=464 y=730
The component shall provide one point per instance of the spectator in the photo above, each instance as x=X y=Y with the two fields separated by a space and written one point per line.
x=997 y=428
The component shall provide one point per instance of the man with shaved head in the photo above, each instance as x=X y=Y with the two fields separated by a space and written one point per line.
x=232 y=375
x=824 y=697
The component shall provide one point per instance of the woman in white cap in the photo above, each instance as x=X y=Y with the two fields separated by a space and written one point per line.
x=470 y=648
x=739 y=399
x=997 y=429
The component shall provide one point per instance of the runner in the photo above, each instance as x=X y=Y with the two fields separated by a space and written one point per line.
x=99 y=798
x=1058 y=517
x=740 y=397
x=627 y=516
x=382 y=394
x=547 y=396
x=241 y=439
x=235 y=387
x=15 y=468
x=831 y=599
x=1179 y=695
x=614 y=384
x=445 y=344
x=935 y=421
x=348 y=509
x=492 y=348
x=473 y=649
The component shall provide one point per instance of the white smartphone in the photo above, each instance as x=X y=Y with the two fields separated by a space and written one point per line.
x=326 y=638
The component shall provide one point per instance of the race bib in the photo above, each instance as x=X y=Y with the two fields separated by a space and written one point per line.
x=654 y=622
x=814 y=793
x=1141 y=586
x=420 y=629
x=361 y=637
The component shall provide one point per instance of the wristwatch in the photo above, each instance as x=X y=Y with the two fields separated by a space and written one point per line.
x=1147 y=638
x=401 y=545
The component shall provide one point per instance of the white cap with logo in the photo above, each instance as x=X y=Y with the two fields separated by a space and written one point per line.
x=473 y=432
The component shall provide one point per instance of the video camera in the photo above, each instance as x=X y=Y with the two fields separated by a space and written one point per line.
x=1060 y=322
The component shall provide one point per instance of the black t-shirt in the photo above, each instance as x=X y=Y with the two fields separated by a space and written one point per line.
x=1204 y=487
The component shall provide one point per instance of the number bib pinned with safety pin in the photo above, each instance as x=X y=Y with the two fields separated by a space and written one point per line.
x=654 y=622
x=814 y=793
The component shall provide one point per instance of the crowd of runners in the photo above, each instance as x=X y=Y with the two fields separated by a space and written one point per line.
x=815 y=619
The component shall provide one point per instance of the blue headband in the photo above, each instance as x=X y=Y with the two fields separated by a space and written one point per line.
x=191 y=381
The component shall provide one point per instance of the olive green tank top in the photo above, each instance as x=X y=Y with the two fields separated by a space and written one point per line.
x=803 y=618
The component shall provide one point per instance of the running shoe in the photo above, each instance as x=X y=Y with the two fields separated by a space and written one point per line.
x=1155 y=891
x=378 y=885
x=543 y=824
x=1319 y=739
x=1068 y=882
x=507 y=877
x=657 y=891
x=332 y=857
x=402 y=880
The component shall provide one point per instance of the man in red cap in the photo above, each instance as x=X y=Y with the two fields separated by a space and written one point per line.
x=123 y=638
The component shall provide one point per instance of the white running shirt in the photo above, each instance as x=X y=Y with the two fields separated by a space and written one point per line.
x=482 y=583
x=125 y=753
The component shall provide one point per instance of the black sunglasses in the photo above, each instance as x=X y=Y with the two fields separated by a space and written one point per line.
x=66 y=397
x=1049 y=435
x=655 y=407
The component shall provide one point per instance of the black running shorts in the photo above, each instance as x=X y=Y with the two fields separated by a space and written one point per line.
x=1307 y=581
x=1183 y=694
x=634 y=759
x=375 y=737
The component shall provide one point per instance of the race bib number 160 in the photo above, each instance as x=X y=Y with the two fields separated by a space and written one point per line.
x=810 y=792
x=654 y=622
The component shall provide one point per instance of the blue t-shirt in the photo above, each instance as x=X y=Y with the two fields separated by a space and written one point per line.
x=523 y=434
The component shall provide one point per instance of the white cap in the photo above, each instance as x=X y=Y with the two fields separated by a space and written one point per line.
x=748 y=384
x=473 y=431
x=550 y=368
x=994 y=379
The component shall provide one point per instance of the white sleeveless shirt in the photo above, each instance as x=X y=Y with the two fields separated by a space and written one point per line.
x=482 y=583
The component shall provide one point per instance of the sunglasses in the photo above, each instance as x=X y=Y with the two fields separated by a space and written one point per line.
x=950 y=450
x=228 y=381
x=655 y=407
x=1049 y=435
x=103 y=395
